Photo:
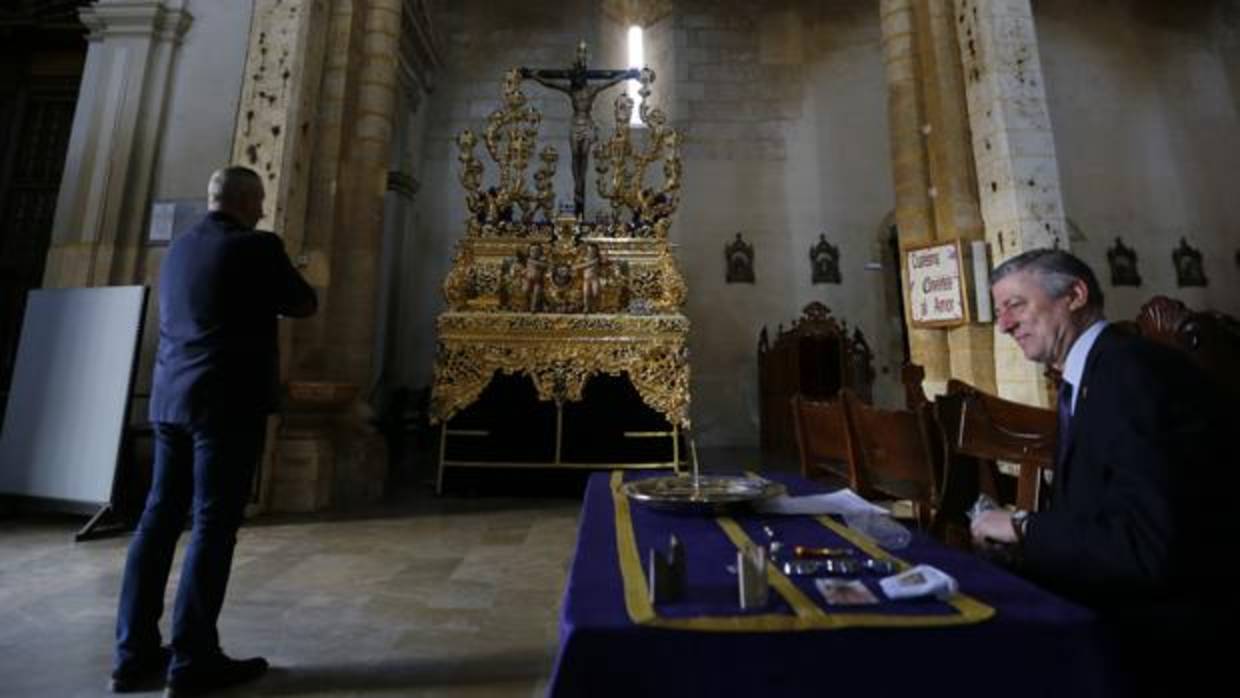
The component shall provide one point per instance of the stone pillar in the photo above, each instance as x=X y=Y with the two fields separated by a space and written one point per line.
x=910 y=168
x=333 y=114
x=311 y=59
x=360 y=101
x=101 y=212
x=1018 y=174
x=356 y=245
x=935 y=185
x=275 y=135
x=953 y=179
x=276 y=127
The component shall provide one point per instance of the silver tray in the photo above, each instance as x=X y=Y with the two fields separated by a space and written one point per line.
x=703 y=494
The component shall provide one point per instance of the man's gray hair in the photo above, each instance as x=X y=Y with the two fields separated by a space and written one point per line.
x=227 y=185
x=1055 y=271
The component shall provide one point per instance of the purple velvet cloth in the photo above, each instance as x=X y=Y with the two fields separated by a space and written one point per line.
x=1036 y=643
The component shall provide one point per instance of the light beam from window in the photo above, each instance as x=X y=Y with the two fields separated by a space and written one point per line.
x=637 y=59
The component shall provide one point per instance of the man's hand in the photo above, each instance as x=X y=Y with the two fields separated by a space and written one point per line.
x=992 y=527
x=314 y=268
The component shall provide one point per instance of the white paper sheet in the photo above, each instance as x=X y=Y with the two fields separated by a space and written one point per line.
x=842 y=502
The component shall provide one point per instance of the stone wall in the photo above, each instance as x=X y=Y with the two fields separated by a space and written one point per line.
x=784 y=115
x=155 y=118
x=206 y=88
x=784 y=111
x=1143 y=101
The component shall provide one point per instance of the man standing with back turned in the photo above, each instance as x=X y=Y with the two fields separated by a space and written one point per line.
x=1140 y=505
x=222 y=286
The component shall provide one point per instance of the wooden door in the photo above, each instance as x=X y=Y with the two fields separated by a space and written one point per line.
x=42 y=54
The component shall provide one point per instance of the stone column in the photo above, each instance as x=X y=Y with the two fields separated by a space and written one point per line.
x=275 y=135
x=935 y=185
x=910 y=168
x=316 y=123
x=101 y=212
x=356 y=244
x=953 y=179
x=276 y=127
x=333 y=114
x=1018 y=173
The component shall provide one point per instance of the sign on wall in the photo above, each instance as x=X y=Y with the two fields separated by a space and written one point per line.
x=936 y=284
x=171 y=217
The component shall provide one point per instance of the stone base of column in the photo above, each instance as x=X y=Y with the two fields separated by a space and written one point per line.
x=361 y=466
x=328 y=453
x=74 y=264
x=302 y=472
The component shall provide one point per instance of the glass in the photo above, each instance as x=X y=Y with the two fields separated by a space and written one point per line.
x=883 y=529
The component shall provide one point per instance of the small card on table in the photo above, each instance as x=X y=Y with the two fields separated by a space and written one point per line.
x=845 y=592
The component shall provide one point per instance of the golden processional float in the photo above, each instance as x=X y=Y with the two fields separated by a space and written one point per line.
x=563 y=303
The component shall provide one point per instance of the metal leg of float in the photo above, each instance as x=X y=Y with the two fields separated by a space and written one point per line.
x=676 y=448
x=443 y=448
x=559 y=429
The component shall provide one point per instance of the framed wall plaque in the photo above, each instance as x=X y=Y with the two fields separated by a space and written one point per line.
x=936 y=285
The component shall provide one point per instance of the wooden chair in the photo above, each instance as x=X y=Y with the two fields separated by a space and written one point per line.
x=816 y=357
x=912 y=376
x=823 y=437
x=979 y=429
x=894 y=456
x=1211 y=339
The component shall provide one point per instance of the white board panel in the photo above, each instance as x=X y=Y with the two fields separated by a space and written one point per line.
x=71 y=383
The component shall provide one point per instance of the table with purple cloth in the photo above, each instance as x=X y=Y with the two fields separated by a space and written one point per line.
x=999 y=634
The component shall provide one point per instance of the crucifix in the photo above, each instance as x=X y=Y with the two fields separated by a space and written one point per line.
x=575 y=82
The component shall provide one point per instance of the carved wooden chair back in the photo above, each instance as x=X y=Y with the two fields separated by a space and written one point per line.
x=893 y=453
x=823 y=440
x=988 y=428
x=815 y=357
x=1211 y=339
x=912 y=376
x=1160 y=319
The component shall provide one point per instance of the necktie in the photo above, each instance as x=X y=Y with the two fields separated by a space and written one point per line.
x=1064 y=412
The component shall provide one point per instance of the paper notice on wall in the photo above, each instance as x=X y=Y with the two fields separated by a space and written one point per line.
x=171 y=217
x=163 y=217
x=936 y=285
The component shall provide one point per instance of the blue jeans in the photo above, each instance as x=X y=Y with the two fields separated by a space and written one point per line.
x=206 y=470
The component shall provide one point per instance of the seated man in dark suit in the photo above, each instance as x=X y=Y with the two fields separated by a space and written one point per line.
x=1141 y=481
x=222 y=286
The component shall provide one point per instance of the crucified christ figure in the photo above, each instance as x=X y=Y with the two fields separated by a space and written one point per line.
x=575 y=82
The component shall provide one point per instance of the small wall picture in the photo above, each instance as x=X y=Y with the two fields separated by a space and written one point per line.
x=170 y=217
x=739 y=256
x=1123 y=262
x=1188 y=266
x=824 y=262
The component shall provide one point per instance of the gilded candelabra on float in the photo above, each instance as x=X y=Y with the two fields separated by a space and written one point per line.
x=561 y=299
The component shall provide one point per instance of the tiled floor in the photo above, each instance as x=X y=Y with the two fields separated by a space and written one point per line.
x=424 y=596
x=453 y=596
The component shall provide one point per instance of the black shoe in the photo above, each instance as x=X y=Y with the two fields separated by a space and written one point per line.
x=142 y=675
x=215 y=674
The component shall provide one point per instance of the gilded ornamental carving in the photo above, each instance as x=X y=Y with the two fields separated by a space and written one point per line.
x=561 y=299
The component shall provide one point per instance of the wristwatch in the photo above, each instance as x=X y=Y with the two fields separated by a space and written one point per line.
x=1020 y=524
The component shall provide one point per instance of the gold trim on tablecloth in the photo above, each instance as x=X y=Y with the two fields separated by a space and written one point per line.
x=807 y=615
